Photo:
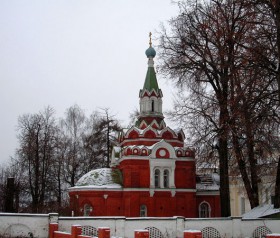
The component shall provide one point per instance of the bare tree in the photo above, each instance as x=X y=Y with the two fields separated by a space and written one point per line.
x=103 y=136
x=73 y=129
x=51 y=156
x=270 y=58
x=36 y=152
x=216 y=51
x=200 y=51
x=87 y=141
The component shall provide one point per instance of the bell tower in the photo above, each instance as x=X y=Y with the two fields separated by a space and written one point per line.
x=151 y=97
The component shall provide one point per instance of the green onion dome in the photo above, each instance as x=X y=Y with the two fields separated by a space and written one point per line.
x=150 y=52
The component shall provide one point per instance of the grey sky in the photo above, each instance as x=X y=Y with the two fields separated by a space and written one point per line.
x=66 y=52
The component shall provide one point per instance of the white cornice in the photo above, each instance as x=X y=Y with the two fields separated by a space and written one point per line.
x=138 y=157
x=206 y=193
x=89 y=188
x=151 y=139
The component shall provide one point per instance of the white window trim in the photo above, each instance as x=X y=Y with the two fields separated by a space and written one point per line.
x=168 y=178
x=161 y=178
x=199 y=209
x=87 y=209
x=143 y=208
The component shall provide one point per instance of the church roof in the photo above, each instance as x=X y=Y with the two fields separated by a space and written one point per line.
x=261 y=211
x=105 y=177
x=151 y=80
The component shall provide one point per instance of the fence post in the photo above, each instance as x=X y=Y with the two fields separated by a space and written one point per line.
x=180 y=226
x=76 y=230
x=53 y=217
x=52 y=228
x=141 y=234
x=192 y=234
x=103 y=232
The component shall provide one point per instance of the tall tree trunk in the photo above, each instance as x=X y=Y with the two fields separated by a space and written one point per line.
x=223 y=161
x=242 y=169
x=59 y=183
x=277 y=23
x=252 y=159
x=35 y=201
x=277 y=187
x=224 y=178
x=108 y=140
x=108 y=147
x=277 y=181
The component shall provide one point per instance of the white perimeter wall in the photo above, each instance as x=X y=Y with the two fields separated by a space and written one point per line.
x=24 y=225
x=13 y=225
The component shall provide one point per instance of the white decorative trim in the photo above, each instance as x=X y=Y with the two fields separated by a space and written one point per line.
x=161 y=165
x=166 y=145
x=139 y=157
x=208 y=193
x=150 y=104
x=151 y=62
x=168 y=129
x=152 y=192
x=157 y=139
x=150 y=128
x=149 y=93
x=92 y=188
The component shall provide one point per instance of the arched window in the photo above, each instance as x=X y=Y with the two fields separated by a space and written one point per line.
x=153 y=105
x=143 y=211
x=87 y=209
x=165 y=178
x=157 y=178
x=204 y=210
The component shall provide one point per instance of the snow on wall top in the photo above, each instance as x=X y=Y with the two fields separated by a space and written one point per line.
x=101 y=177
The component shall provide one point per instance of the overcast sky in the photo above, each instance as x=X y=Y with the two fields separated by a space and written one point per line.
x=66 y=52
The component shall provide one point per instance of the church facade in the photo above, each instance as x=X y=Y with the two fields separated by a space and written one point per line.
x=152 y=173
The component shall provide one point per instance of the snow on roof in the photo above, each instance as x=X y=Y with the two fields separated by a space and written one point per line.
x=261 y=211
x=89 y=187
x=140 y=146
x=117 y=149
x=105 y=177
x=192 y=231
x=141 y=131
x=208 y=182
x=206 y=165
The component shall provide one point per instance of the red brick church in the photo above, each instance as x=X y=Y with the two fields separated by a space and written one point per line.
x=152 y=173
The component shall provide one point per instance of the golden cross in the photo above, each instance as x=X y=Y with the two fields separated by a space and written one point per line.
x=150 y=43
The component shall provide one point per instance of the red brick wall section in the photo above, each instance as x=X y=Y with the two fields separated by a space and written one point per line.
x=272 y=235
x=103 y=232
x=52 y=228
x=213 y=200
x=76 y=232
x=185 y=174
x=141 y=234
x=192 y=234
